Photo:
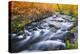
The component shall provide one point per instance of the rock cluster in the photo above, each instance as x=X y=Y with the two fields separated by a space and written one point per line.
x=47 y=34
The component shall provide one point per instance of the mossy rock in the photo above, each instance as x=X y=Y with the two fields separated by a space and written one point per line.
x=75 y=29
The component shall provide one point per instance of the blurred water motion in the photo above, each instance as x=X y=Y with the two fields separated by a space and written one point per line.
x=47 y=34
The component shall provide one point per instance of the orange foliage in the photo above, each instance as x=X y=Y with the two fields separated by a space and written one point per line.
x=31 y=8
x=26 y=7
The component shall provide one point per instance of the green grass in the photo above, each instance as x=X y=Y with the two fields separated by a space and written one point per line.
x=71 y=46
x=18 y=24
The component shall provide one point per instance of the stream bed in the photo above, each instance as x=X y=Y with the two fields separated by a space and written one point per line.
x=50 y=33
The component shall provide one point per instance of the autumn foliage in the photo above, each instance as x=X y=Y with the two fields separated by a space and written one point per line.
x=25 y=12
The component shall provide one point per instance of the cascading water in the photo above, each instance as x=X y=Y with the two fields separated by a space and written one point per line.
x=49 y=33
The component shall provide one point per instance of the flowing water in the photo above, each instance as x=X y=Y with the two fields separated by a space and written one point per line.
x=46 y=34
